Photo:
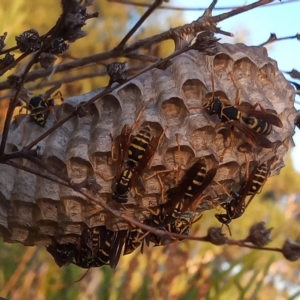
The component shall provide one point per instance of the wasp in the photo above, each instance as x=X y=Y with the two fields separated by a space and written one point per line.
x=100 y=246
x=109 y=247
x=63 y=254
x=139 y=153
x=39 y=106
x=255 y=124
x=181 y=226
x=134 y=239
x=137 y=236
x=181 y=197
x=237 y=206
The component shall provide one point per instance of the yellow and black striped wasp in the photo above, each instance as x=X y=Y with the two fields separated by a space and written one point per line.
x=182 y=226
x=39 y=106
x=181 y=197
x=255 y=124
x=138 y=236
x=237 y=205
x=63 y=254
x=100 y=246
x=134 y=239
x=133 y=155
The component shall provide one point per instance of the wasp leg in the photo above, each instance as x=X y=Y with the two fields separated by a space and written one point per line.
x=113 y=149
x=137 y=193
x=227 y=228
x=196 y=202
x=103 y=176
x=212 y=83
x=196 y=219
x=122 y=142
x=51 y=110
x=247 y=166
x=155 y=145
x=231 y=137
x=222 y=186
x=178 y=160
x=23 y=133
x=23 y=107
x=258 y=105
x=138 y=118
x=162 y=188
x=239 y=91
x=158 y=172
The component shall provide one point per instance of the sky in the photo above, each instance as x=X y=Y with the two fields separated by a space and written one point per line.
x=282 y=19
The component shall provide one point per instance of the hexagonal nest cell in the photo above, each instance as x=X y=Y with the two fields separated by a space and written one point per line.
x=189 y=111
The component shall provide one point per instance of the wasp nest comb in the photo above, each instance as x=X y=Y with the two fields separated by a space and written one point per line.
x=183 y=139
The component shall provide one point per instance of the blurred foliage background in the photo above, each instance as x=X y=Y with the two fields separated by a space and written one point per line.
x=183 y=270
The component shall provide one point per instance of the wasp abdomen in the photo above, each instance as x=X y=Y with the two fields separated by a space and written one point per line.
x=138 y=147
x=122 y=186
x=259 y=179
x=196 y=183
x=258 y=125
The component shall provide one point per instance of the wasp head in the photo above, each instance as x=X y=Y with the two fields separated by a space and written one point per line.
x=38 y=107
x=214 y=107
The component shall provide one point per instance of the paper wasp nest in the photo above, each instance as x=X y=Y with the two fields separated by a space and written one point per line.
x=33 y=210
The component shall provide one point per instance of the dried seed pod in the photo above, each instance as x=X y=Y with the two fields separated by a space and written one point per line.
x=34 y=210
x=216 y=237
x=291 y=251
x=259 y=235
x=29 y=41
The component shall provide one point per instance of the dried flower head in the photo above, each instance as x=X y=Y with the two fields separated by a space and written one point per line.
x=290 y=250
x=29 y=41
x=259 y=235
x=216 y=237
x=118 y=72
x=2 y=40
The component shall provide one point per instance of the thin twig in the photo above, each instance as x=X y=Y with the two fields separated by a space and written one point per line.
x=34 y=172
x=294 y=74
x=240 y=10
x=183 y=8
x=143 y=18
x=273 y=38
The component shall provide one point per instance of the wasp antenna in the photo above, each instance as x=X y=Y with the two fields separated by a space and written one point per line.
x=85 y=273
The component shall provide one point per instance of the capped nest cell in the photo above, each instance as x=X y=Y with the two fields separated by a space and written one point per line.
x=176 y=107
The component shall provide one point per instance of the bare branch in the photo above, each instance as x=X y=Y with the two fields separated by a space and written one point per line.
x=136 y=3
x=240 y=10
x=156 y=4
x=294 y=74
x=273 y=38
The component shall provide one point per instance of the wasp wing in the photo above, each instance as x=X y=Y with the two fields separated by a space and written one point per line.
x=116 y=246
x=270 y=118
x=259 y=139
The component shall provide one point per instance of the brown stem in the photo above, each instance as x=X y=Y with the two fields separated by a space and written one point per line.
x=143 y=18
x=140 y=4
x=273 y=38
x=240 y=10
